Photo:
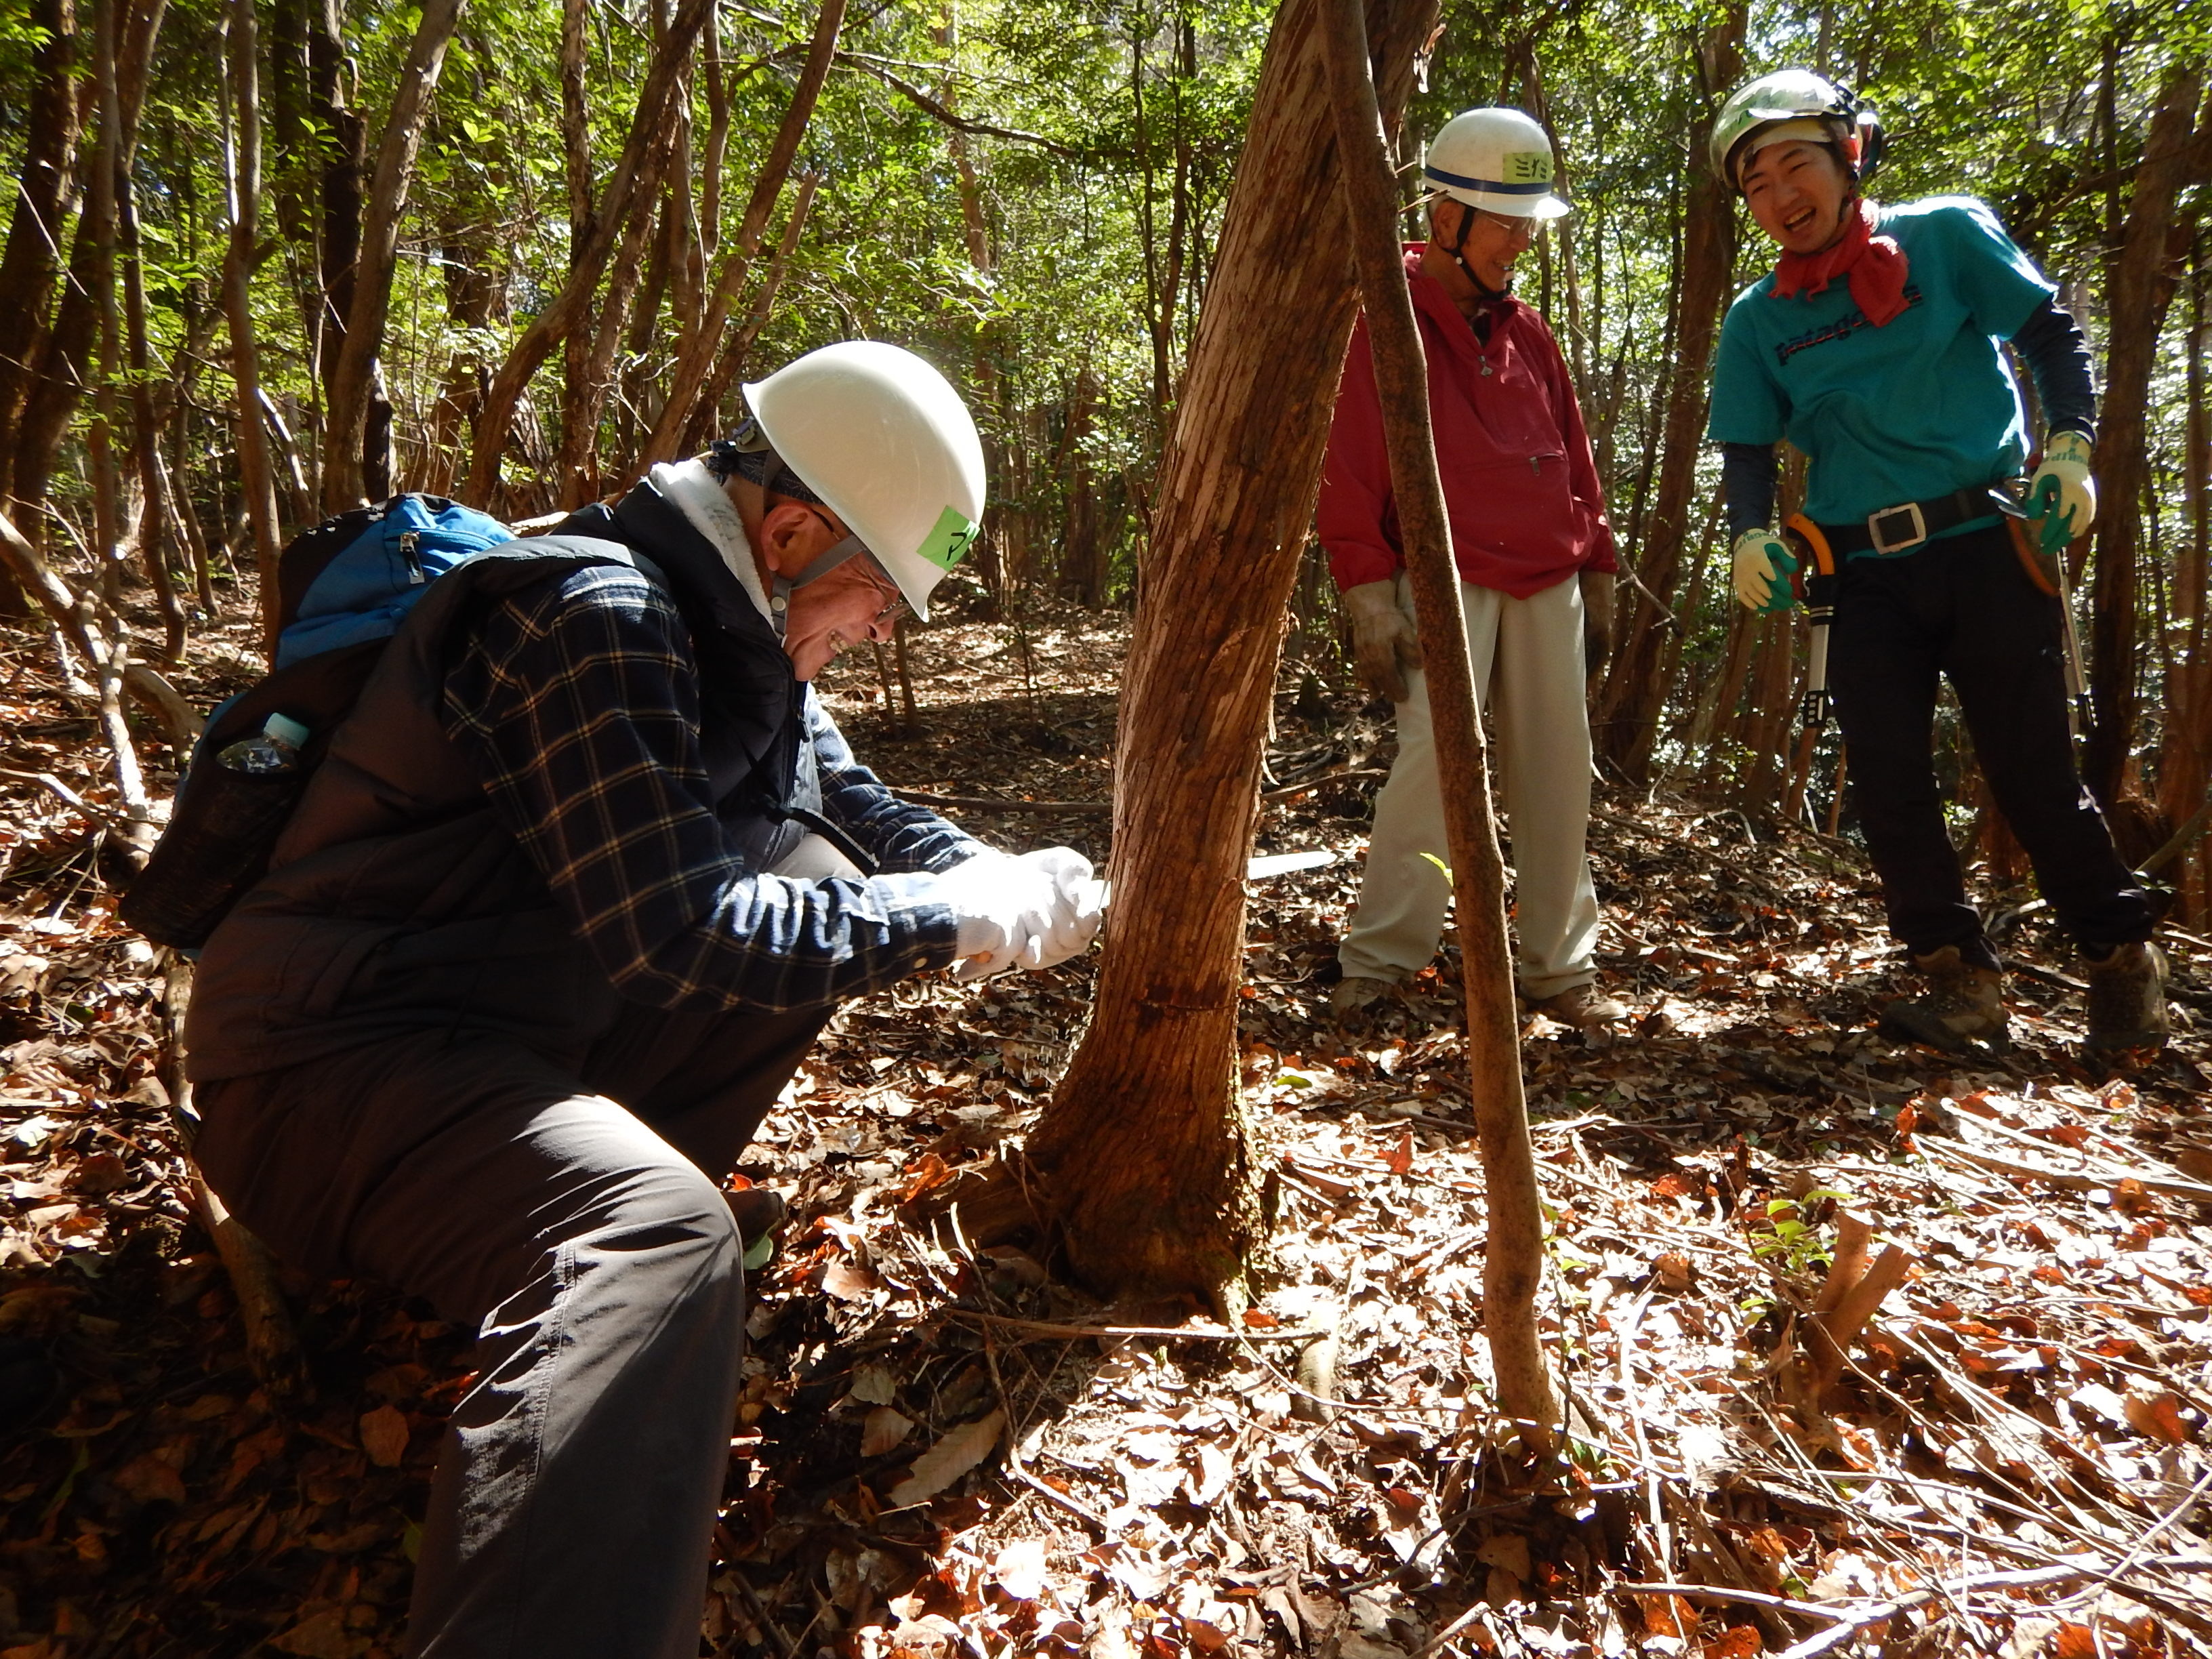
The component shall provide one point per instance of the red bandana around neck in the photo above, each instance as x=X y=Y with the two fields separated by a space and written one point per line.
x=1875 y=264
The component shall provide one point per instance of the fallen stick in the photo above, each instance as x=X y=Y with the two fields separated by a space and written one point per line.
x=2079 y=1181
x=1846 y=1622
x=986 y=804
x=995 y=803
x=1187 y=1332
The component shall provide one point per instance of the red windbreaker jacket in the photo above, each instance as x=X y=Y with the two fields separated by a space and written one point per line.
x=1521 y=488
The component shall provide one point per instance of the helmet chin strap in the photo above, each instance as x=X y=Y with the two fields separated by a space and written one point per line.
x=1457 y=248
x=779 y=602
x=725 y=460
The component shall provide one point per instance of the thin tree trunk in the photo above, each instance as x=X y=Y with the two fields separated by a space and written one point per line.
x=345 y=167
x=32 y=257
x=1634 y=692
x=99 y=218
x=1145 y=1148
x=2142 y=285
x=157 y=511
x=698 y=357
x=347 y=416
x=495 y=410
x=63 y=367
x=1513 y=1258
x=735 y=349
x=2185 y=747
x=72 y=614
x=585 y=393
x=257 y=474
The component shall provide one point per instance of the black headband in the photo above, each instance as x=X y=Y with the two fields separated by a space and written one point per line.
x=748 y=456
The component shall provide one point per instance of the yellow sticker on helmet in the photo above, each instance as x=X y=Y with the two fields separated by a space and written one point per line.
x=1528 y=167
x=949 y=539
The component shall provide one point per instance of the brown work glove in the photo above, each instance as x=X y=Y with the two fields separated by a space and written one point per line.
x=1384 y=647
x=1597 y=618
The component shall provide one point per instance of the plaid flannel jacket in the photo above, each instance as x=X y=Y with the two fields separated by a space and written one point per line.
x=580 y=700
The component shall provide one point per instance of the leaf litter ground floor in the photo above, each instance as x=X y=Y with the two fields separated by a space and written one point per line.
x=941 y=1447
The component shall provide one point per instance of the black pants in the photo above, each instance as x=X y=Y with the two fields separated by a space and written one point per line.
x=571 y=1211
x=1963 y=608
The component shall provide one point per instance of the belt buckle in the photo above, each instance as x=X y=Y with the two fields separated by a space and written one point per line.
x=1916 y=528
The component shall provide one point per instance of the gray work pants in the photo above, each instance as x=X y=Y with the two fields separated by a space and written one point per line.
x=568 y=1208
x=1527 y=662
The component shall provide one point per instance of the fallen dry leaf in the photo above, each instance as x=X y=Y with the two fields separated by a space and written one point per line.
x=948 y=1460
x=883 y=1429
x=384 y=1436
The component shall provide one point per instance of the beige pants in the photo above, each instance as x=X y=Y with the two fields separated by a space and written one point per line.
x=1528 y=658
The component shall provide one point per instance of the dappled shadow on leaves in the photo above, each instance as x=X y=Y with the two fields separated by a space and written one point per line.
x=942 y=1446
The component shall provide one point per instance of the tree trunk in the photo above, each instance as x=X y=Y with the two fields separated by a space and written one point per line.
x=735 y=349
x=99 y=221
x=346 y=421
x=1145 y=1146
x=156 y=510
x=345 y=166
x=257 y=473
x=703 y=345
x=585 y=390
x=2145 y=275
x=1634 y=691
x=2185 y=752
x=495 y=412
x=1513 y=1258
x=32 y=259
x=62 y=366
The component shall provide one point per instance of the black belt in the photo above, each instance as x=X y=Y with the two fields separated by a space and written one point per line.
x=1900 y=529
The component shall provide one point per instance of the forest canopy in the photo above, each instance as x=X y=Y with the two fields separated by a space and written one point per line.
x=542 y=222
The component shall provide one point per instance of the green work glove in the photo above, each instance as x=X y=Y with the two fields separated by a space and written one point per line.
x=1763 y=569
x=2062 y=493
x=1384 y=647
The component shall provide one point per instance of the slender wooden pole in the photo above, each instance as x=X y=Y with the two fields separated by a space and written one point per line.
x=1513 y=1263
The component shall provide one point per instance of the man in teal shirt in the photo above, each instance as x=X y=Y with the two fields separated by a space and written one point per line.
x=1873 y=347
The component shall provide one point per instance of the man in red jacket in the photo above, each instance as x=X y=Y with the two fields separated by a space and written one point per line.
x=1535 y=564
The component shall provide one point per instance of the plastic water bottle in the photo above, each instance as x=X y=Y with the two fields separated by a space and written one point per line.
x=272 y=752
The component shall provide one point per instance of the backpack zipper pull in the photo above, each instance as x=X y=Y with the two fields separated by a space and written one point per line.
x=1536 y=465
x=409 y=543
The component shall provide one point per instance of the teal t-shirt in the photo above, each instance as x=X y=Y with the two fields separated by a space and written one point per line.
x=1917 y=408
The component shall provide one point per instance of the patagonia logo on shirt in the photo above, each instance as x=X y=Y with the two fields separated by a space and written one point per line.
x=1845 y=326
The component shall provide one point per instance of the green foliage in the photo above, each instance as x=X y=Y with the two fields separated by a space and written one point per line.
x=1052 y=258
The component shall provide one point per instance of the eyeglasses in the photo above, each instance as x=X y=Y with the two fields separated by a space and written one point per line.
x=1516 y=230
x=894 y=608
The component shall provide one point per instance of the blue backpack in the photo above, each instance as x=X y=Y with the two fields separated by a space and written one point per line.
x=343 y=590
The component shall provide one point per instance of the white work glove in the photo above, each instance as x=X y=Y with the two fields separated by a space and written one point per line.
x=1763 y=568
x=2062 y=485
x=1384 y=647
x=1078 y=904
x=1016 y=912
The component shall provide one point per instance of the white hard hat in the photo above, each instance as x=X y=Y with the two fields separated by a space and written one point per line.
x=1499 y=159
x=1794 y=103
x=887 y=444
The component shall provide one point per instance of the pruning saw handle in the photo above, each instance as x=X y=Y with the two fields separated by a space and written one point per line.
x=1816 y=563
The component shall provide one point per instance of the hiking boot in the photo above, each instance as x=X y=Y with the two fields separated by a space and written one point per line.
x=1964 y=1005
x=1356 y=995
x=1582 y=1006
x=759 y=1212
x=2127 y=999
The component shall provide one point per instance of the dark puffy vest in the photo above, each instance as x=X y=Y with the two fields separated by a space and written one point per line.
x=396 y=902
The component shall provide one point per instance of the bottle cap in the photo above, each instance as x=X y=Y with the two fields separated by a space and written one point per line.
x=282 y=728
